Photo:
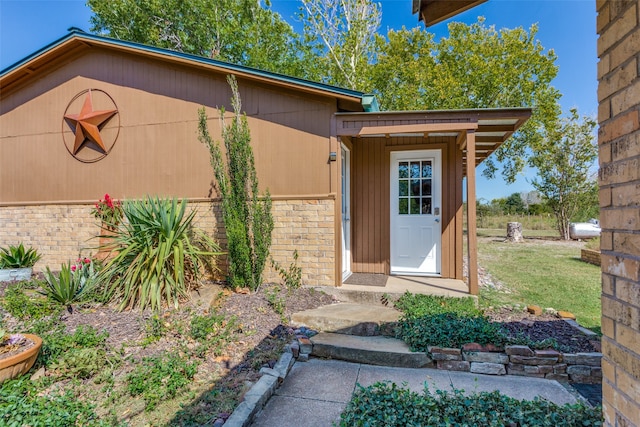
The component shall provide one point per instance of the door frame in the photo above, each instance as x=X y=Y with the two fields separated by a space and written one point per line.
x=436 y=154
x=345 y=209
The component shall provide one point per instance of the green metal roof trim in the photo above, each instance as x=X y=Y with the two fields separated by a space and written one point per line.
x=74 y=32
x=460 y=111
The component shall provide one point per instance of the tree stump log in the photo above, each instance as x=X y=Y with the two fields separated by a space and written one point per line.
x=514 y=232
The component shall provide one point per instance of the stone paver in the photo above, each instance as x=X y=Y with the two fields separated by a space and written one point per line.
x=285 y=411
x=374 y=350
x=412 y=378
x=327 y=380
x=522 y=388
x=316 y=392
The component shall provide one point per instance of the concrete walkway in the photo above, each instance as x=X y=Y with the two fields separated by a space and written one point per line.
x=315 y=393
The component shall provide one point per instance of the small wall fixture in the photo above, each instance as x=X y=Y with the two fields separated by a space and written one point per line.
x=332 y=156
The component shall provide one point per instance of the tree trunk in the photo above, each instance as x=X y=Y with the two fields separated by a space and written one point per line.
x=514 y=232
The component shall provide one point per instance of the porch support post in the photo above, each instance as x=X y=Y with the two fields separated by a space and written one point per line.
x=472 y=238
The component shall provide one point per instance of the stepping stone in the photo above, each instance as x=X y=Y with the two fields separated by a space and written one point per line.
x=373 y=350
x=350 y=319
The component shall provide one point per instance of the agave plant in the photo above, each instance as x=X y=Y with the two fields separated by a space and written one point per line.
x=18 y=257
x=68 y=286
x=160 y=256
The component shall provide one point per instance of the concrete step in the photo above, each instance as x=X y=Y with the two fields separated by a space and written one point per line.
x=373 y=350
x=379 y=298
x=350 y=319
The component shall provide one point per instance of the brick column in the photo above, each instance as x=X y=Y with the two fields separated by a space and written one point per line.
x=619 y=179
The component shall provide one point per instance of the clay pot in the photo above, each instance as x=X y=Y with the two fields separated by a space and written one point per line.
x=19 y=364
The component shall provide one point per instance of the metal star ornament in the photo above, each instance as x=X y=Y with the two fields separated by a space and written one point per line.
x=87 y=124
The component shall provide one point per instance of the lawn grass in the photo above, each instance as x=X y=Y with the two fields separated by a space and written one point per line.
x=502 y=232
x=544 y=273
x=529 y=222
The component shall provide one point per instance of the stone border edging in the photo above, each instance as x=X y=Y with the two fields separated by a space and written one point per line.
x=520 y=360
x=260 y=393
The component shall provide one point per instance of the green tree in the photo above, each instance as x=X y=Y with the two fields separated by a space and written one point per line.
x=341 y=34
x=238 y=31
x=514 y=204
x=474 y=67
x=247 y=217
x=483 y=210
x=564 y=160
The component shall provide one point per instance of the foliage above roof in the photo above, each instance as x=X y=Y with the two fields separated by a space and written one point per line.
x=77 y=40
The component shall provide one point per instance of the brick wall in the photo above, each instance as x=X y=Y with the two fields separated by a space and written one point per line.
x=303 y=225
x=619 y=141
x=59 y=232
x=63 y=232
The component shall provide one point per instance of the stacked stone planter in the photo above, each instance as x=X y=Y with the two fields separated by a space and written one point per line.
x=590 y=256
x=520 y=360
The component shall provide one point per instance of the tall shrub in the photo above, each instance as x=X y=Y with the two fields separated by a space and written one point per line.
x=247 y=216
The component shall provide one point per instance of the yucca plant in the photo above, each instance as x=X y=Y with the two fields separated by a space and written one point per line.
x=68 y=286
x=160 y=256
x=18 y=257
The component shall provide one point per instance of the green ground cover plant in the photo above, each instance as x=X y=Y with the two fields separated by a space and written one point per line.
x=23 y=404
x=415 y=305
x=544 y=273
x=212 y=331
x=449 y=330
x=159 y=378
x=386 y=404
x=56 y=342
x=82 y=363
x=432 y=320
x=23 y=302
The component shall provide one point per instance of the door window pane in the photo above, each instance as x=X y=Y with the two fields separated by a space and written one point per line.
x=426 y=169
x=426 y=187
x=415 y=187
x=403 y=188
x=415 y=169
x=403 y=206
x=403 y=170
x=415 y=206
x=426 y=206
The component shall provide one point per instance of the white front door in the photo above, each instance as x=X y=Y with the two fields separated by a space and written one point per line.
x=416 y=192
x=346 y=212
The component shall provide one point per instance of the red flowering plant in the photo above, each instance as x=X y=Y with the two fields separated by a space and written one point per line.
x=108 y=211
x=80 y=265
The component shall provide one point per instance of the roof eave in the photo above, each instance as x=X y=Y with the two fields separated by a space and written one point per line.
x=21 y=69
x=435 y=11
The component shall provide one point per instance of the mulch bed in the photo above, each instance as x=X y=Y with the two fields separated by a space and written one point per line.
x=539 y=328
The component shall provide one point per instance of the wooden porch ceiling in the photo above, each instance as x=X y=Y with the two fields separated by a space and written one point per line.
x=434 y=11
x=492 y=127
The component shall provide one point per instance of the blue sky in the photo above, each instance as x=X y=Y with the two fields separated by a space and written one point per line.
x=567 y=26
